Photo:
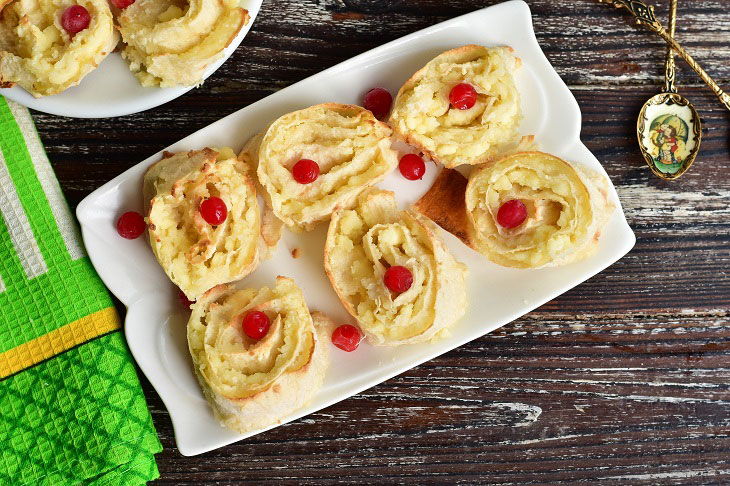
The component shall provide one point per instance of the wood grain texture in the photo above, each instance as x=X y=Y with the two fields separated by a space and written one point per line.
x=624 y=379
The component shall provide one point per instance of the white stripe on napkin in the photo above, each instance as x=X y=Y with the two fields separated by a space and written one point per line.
x=49 y=183
x=2 y=285
x=21 y=234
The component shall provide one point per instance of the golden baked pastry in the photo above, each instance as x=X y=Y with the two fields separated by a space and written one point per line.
x=39 y=55
x=253 y=384
x=363 y=243
x=172 y=42
x=196 y=254
x=566 y=208
x=352 y=149
x=424 y=117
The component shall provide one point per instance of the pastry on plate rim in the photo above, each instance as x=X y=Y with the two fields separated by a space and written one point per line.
x=581 y=193
x=566 y=208
x=195 y=254
x=58 y=60
x=351 y=147
x=252 y=384
x=174 y=47
x=423 y=116
x=374 y=236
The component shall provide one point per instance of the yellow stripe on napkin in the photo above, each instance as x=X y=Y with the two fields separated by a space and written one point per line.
x=58 y=341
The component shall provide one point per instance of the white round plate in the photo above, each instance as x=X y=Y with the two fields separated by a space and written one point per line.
x=97 y=96
x=155 y=323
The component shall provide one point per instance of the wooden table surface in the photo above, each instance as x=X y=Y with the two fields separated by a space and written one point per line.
x=623 y=379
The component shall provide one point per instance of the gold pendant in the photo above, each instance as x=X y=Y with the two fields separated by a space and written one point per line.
x=668 y=128
x=669 y=134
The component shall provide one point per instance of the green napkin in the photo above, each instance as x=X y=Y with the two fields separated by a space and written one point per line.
x=71 y=407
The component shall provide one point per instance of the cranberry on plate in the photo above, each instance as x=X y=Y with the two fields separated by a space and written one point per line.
x=256 y=324
x=131 y=225
x=398 y=279
x=305 y=171
x=412 y=167
x=463 y=96
x=346 y=337
x=378 y=100
x=214 y=211
x=184 y=299
x=75 y=19
x=122 y=4
x=512 y=213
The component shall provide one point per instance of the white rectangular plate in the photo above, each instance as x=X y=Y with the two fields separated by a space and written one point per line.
x=155 y=323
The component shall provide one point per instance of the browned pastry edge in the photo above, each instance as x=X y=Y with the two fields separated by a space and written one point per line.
x=445 y=203
x=245 y=17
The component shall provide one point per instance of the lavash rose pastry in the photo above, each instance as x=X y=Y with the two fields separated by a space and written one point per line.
x=258 y=353
x=172 y=43
x=203 y=218
x=310 y=161
x=533 y=209
x=47 y=46
x=463 y=107
x=392 y=272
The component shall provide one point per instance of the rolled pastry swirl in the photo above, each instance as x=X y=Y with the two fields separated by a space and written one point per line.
x=172 y=42
x=196 y=255
x=253 y=384
x=38 y=54
x=362 y=243
x=350 y=146
x=424 y=117
x=566 y=209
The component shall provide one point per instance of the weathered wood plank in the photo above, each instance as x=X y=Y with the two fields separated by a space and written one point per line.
x=587 y=42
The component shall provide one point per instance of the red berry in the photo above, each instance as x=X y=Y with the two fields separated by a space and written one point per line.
x=213 y=210
x=75 y=19
x=305 y=171
x=131 y=225
x=378 y=100
x=346 y=337
x=511 y=213
x=122 y=4
x=398 y=279
x=256 y=324
x=463 y=96
x=184 y=299
x=412 y=167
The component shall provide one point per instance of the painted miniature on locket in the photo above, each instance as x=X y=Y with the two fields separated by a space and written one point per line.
x=668 y=128
x=669 y=133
